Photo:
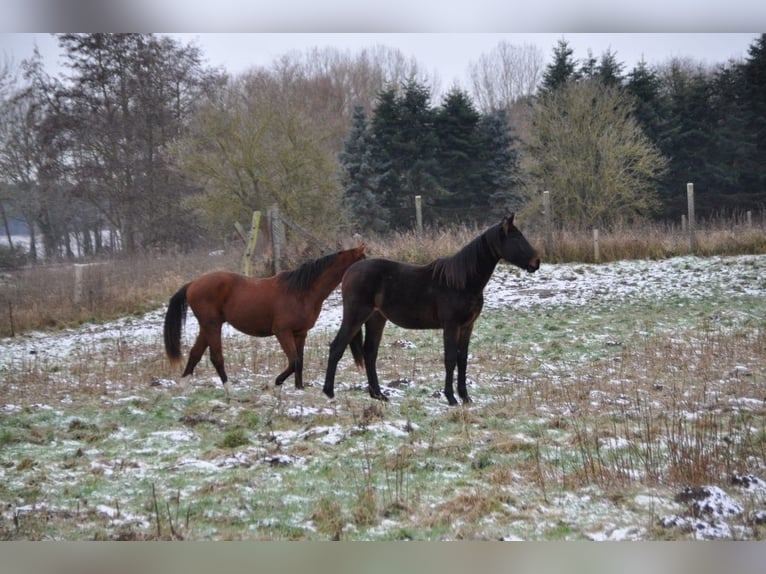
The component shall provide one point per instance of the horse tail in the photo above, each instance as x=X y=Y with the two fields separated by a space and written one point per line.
x=174 y=320
x=356 y=349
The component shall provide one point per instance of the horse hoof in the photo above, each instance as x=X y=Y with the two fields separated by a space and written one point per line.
x=451 y=400
x=466 y=399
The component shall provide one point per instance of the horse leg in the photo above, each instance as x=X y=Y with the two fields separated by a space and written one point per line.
x=353 y=319
x=464 y=338
x=373 y=333
x=195 y=353
x=450 y=361
x=216 y=353
x=287 y=342
x=300 y=341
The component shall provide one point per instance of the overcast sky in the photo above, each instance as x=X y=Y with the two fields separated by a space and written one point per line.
x=447 y=54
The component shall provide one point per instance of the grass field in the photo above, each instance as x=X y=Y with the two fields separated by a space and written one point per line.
x=622 y=401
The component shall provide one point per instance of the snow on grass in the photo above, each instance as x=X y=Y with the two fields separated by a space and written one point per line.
x=93 y=415
x=553 y=286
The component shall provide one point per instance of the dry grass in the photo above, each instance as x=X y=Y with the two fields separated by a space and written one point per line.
x=43 y=297
x=653 y=241
x=657 y=413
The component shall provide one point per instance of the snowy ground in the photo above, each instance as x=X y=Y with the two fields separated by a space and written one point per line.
x=275 y=484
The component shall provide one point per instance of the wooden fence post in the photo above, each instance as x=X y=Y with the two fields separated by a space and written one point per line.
x=78 y=269
x=690 y=202
x=749 y=219
x=277 y=238
x=419 y=213
x=251 y=241
x=548 y=223
x=596 y=250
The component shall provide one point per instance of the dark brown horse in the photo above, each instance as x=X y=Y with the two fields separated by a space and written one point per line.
x=286 y=305
x=446 y=294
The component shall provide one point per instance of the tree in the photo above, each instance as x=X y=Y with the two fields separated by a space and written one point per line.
x=405 y=142
x=505 y=75
x=456 y=128
x=609 y=70
x=31 y=161
x=128 y=97
x=561 y=70
x=688 y=135
x=252 y=148
x=643 y=85
x=754 y=80
x=500 y=165
x=587 y=149
x=361 y=178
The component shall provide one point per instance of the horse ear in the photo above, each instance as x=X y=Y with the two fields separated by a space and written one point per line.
x=508 y=223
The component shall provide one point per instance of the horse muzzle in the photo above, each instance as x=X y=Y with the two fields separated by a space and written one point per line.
x=533 y=265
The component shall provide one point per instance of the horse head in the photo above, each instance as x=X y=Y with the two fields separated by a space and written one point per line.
x=515 y=248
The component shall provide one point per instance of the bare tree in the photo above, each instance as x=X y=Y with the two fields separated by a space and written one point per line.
x=505 y=75
x=335 y=81
x=22 y=157
x=128 y=97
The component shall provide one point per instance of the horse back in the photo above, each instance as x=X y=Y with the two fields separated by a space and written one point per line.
x=224 y=296
x=407 y=294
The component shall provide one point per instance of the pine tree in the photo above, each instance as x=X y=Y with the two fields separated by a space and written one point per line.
x=456 y=125
x=649 y=105
x=609 y=70
x=499 y=165
x=754 y=72
x=687 y=139
x=588 y=67
x=561 y=70
x=361 y=177
x=405 y=142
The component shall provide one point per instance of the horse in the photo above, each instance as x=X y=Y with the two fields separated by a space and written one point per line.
x=446 y=294
x=285 y=305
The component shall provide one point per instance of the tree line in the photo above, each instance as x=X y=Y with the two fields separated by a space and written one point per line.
x=708 y=123
x=460 y=162
x=141 y=146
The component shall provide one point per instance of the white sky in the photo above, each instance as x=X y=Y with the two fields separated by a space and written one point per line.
x=447 y=54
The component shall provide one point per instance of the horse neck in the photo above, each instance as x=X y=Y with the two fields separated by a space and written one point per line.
x=486 y=261
x=479 y=261
x=329 y=280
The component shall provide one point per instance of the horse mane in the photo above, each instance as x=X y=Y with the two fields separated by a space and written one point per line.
x=301 y=278
x=455 y=270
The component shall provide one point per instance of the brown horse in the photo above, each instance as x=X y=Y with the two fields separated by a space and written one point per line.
x=447 y=294
x=285 y=305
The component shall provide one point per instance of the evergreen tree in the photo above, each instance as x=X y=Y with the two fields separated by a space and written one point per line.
x=561 y=70
x=588 y=67
x=499 y=165
x=754 y=76
x=609 y=70
x=405 y=142
x=361 y=177
x=687 y=140
x=649 y=105
x=456 y=125
x=731 y=147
